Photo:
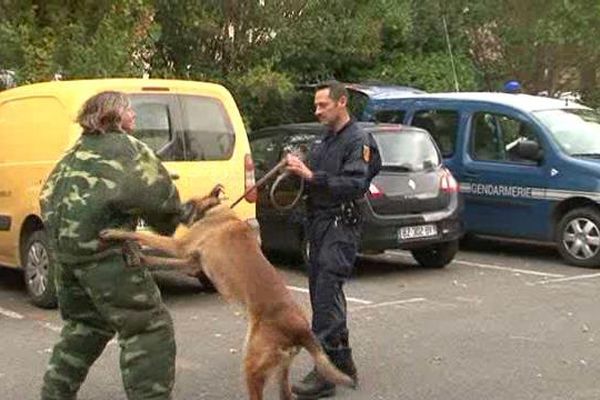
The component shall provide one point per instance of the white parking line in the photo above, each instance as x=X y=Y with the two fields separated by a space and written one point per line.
x=10 y=314
x=486 y=266
x=569 y=278
x=390 y=303
x=501 y=268
x=352 y=299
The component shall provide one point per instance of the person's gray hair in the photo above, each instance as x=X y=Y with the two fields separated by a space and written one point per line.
x=103 y=113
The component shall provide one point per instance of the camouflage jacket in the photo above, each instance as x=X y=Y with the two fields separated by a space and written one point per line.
x=105 y=181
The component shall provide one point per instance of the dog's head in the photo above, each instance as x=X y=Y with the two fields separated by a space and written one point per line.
x=197 y=207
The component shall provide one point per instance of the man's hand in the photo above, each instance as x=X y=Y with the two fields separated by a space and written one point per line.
x=297 y=167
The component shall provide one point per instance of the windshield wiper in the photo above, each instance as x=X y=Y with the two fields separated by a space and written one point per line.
x=398 y=167
x=591 y=155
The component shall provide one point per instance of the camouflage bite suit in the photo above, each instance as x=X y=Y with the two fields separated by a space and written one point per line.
x=108 y=181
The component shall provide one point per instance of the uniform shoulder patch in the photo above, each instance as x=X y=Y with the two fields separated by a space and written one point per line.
x=366 y=153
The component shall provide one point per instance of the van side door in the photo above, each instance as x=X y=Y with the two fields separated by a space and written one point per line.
x=503 y=193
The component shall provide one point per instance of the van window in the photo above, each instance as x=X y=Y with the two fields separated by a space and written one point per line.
x=494 y=137
x=389 y=116
x=442 y=125
x=153 y=125
x=357 y=102
x=208 y=133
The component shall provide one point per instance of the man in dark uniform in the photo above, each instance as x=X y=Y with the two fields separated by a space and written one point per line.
x=341 y=166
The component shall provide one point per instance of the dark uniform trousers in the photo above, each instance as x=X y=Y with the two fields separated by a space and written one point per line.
x=333 y=248
x=343 y=167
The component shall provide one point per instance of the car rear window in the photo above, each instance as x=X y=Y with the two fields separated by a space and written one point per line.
x=407 y=150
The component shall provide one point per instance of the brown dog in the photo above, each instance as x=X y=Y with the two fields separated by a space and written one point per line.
x=225 y=248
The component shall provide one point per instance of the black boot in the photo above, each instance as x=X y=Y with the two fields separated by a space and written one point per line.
x=313 y=386
x=342 y=359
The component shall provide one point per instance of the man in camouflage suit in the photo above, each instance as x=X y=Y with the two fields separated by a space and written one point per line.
x=108 y=180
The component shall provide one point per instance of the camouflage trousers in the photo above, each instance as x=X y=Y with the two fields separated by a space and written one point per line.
x=97 y=300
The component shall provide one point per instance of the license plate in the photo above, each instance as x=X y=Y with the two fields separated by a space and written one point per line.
x=417 y=231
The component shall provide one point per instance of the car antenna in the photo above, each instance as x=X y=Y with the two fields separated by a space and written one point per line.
x=456 y=87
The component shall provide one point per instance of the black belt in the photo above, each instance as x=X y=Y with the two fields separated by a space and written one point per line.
x=346 y=212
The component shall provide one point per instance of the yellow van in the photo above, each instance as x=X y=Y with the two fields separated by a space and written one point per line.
x=194 y=127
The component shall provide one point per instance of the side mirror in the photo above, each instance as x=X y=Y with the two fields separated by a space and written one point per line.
x=530 y=150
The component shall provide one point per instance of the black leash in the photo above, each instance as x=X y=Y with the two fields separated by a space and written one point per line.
x=262 y=180
x=276 y=169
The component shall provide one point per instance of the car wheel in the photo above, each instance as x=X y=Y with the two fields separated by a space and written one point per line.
x=436 y=256
x=578 y=237
x=206 y=283
x=39 y=271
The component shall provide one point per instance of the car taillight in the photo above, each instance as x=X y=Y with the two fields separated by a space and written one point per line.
x=249 y=180
x=447 y=182
x=374 y=192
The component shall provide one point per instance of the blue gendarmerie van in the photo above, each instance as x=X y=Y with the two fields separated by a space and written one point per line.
x=528 y=166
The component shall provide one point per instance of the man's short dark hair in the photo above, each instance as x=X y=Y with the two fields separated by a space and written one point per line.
x=336 y=89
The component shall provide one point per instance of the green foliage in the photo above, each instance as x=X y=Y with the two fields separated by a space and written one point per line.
x=332 y=38
x=263 y=49
x=79 y=39
x=213 y=38
x=267 y=97
x=428 y=71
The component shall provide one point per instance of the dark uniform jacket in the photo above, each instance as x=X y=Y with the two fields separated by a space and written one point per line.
x=105 y=181
x=343 y=165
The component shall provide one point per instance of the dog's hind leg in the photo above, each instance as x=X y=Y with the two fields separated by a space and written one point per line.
x=283 y=375
x=261 y=361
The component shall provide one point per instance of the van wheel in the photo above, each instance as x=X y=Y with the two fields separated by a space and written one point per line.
x=206 y=283
x=436 y=256
x=38 y=266
x=578 y=237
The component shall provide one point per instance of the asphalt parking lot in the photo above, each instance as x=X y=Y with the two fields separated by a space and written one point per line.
x=503 y=321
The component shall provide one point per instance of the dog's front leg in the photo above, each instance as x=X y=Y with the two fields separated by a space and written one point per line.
x=179 y=263
x=165 y=244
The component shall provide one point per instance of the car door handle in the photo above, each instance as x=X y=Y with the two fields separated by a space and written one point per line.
x=174 y=176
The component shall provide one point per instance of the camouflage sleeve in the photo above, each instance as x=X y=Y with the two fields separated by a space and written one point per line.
x=149 y=192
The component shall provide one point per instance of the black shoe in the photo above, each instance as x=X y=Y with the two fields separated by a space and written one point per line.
x=313 y=386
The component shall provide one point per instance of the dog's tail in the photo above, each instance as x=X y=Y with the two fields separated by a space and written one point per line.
x=322 y=363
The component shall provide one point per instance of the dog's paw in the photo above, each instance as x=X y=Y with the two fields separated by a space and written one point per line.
x=217 y=190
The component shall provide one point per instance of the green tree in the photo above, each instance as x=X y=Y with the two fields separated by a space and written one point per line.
x=77 y=38
x=214 y=38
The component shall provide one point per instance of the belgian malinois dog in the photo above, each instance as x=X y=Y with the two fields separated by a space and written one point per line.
x=227 y=250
